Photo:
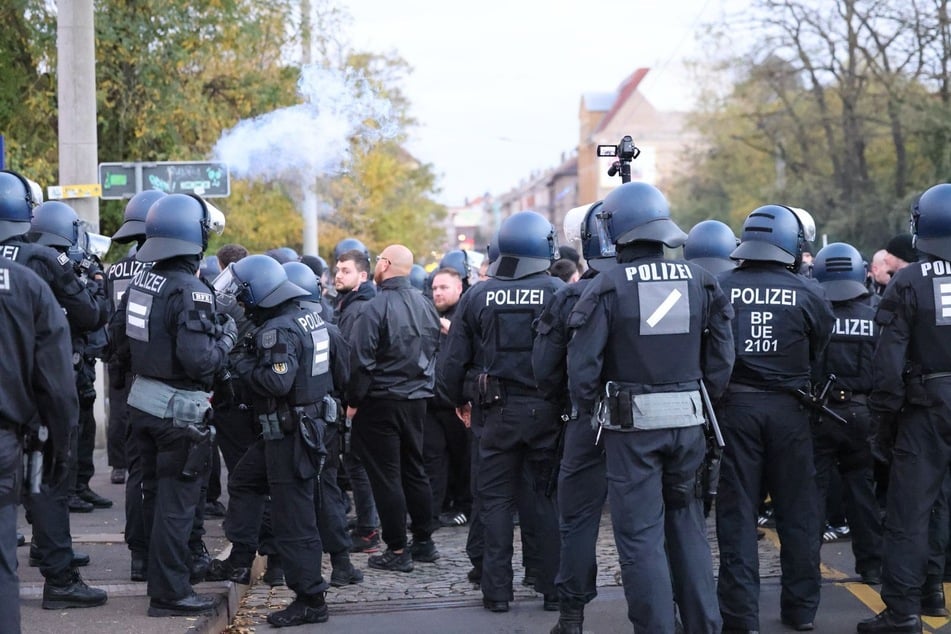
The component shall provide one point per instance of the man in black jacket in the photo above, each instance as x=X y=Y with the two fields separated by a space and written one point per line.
x=393 y=360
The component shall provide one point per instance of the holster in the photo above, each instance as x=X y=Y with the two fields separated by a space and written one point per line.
x=491 y=391
x=309 y=450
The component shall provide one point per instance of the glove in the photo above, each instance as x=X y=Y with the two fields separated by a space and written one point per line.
x=883 y=438
x=229 y=329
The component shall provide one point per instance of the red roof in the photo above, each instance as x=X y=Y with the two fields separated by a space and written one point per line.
x=628 y=86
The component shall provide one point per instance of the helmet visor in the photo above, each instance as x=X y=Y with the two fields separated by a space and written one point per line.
x=573 y=223
x=808 y=223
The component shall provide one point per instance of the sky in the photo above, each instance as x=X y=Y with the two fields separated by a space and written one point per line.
x=496 y=84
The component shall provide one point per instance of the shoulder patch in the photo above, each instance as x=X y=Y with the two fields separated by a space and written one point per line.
x=268 y=339
x=63 y=259
x=279 y=368
x=201 y=298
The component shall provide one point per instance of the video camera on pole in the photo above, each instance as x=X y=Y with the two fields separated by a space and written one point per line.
x=625 y=152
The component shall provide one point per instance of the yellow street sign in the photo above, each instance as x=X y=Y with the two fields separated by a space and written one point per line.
x=56 y=192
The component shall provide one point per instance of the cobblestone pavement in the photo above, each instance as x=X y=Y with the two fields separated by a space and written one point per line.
x=443 y=583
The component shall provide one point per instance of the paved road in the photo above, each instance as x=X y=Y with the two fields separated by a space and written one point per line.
x=434 y=598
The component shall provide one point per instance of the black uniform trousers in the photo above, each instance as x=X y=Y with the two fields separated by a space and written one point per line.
x=117 y=426
x=169 y=503
x=939 y=532
x=846 y=449
x=331 y=507
x=445 y=454
x=11 y=468
x=475 y=538
x=919 y=467
x=652 y=477
x=85 y=446
x=518 y=435
x=768 y=443
x=582 y=489
x=387 y=436
x=48 y=512
x=248 y=520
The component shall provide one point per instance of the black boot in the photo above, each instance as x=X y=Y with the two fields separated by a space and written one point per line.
x=301 y=611
x=186 y=606
x=21 y=540
x=932 y=598
x=226 y=570
x=343 y=573
x=274 y=573
x=888 y=622
x=68 y=590
x=570 y=619
x=200 y=560
x=138 y=570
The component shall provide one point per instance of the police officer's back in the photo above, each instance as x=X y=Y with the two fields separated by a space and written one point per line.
x=646 y=333
x=783 y=322
x=912 y=375
x=520 y=424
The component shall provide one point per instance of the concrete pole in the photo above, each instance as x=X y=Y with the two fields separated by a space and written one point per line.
x=76 y=85
x=309 y=211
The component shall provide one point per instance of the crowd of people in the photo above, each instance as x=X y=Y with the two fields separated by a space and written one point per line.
x=362 y=404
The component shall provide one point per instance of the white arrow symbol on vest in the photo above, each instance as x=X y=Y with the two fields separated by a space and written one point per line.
x=664 y=308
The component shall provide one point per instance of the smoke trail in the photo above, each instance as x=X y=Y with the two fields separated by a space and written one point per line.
x=312 y=139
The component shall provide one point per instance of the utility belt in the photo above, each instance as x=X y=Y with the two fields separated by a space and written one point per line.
x=285 y=420
x=492 y=390
x=157 y=398
x=847 y=396
x=624 y=408
x=740 y=388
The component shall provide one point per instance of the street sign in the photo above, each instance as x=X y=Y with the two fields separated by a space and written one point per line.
x=58 y=192
x=117 y=180
x=208 y=180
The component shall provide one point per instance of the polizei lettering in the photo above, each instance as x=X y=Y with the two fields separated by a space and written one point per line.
x=938 y=267
x=125 y=269
x=854 y=327
x=658 y=271
x=309 y=322
x=763 y=296
x=9 y=251
x=515 y=296
x=149 y=281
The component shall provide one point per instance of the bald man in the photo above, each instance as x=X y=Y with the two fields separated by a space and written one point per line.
x=393 y=347
x=878 y=272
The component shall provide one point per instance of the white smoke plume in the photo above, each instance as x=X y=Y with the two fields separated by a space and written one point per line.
x=311 y=140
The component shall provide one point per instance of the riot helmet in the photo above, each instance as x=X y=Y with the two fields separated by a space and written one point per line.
x=774 y=233
x=18 y=197
x=709 y=244
x=209 y=268
x=931 y=222
x=583 y=223
x=527 y=245
x=283 y=255
x=492 y=249
x=638 y=211
x=133 y=219
x=350 y=244
x=841 y=271
x=456 y=259
x=417 y=277
x=178 y=224
x=316 y=264
x=259 y=281
x=55 y=224
x=299 y=274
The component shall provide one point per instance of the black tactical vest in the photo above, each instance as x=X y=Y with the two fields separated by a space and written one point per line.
x=148 y=323
x=659 y=313
x=120 y=274
x=930 y=344
x=314 y=379
x=849 y=354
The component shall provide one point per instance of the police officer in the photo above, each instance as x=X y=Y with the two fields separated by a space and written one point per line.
x=55 y=224
x=118 y=277
x=85 y=311
x=912 y=375
x=35 y=344
x=582 y=482
x=840 y=270
x=168 y=334
x=783 y=323
x=709 y=244
x=331 y=507
x=647 y=332
x=520 y=424
x=294 y=364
